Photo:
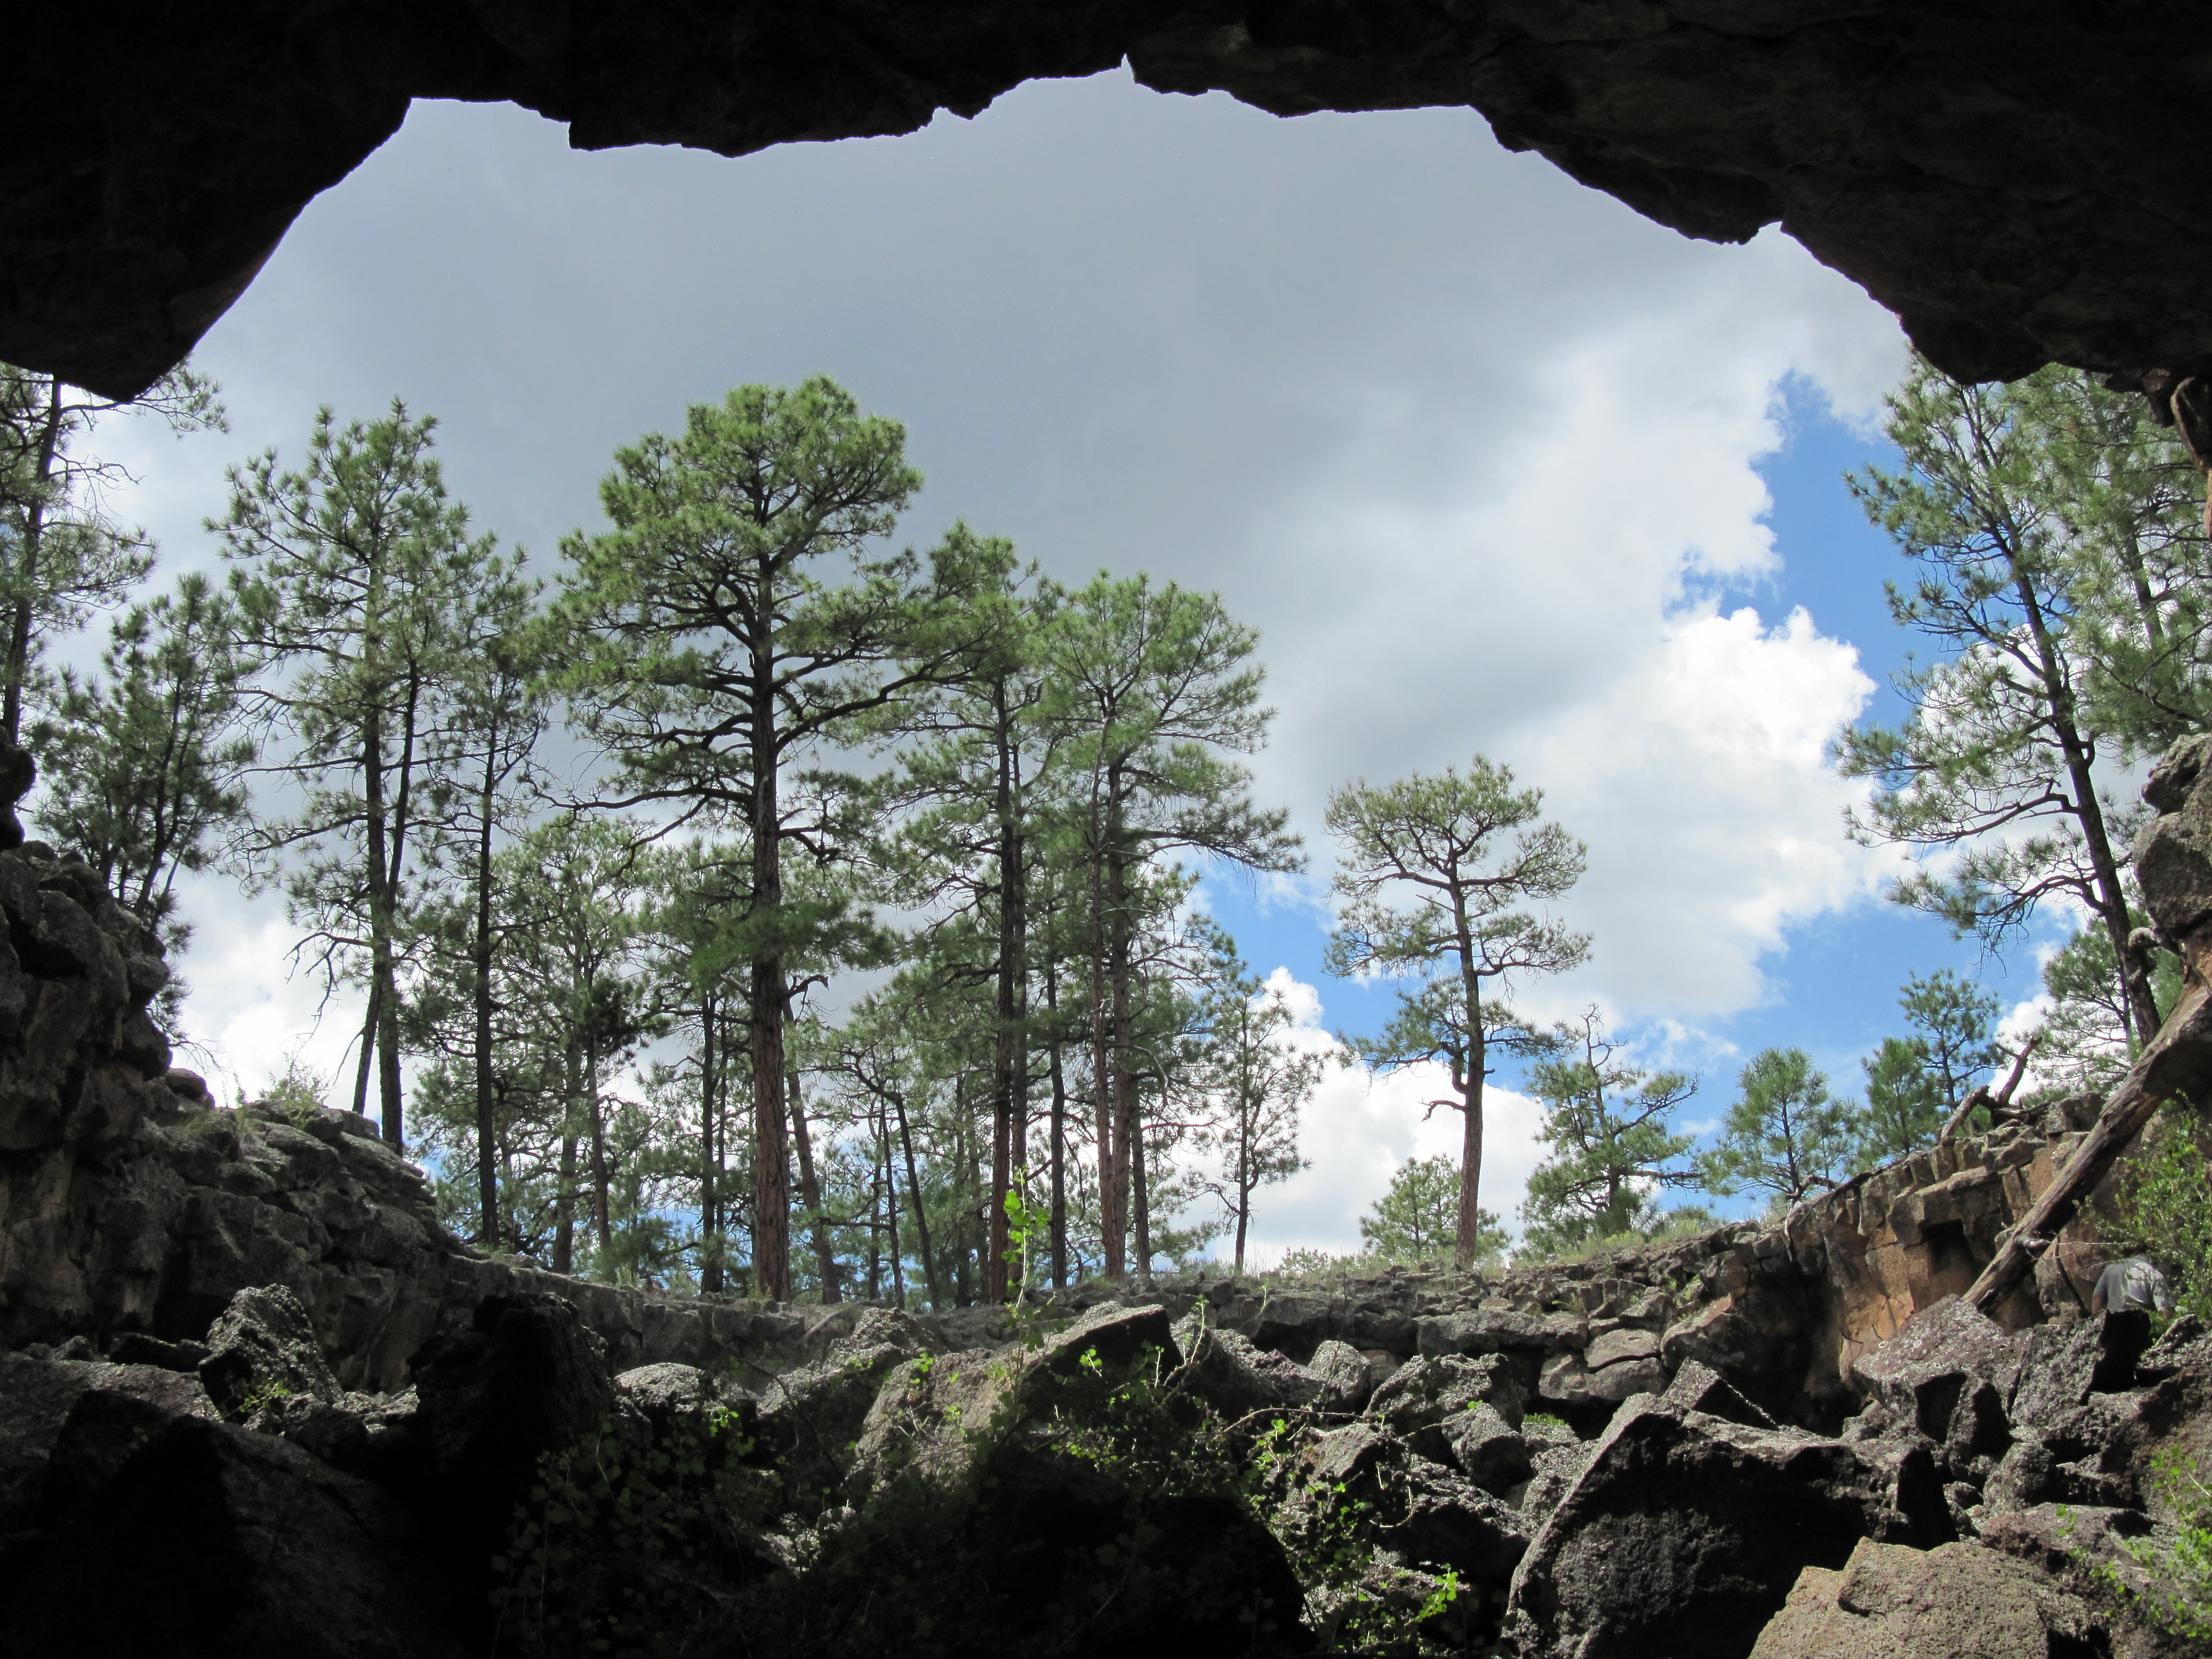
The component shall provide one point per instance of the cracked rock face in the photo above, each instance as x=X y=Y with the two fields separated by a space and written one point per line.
x=2018 y=179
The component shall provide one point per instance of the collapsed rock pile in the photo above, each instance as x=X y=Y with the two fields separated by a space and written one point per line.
x=245 y=1334
x=1978 y=1503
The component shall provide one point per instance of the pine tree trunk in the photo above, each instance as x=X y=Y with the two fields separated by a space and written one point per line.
x=710 y=1160
x=564 y=1193
x=890 y=1208
x=2111 y=902
x=810 y=1192
x=365 y=1069
x=1059 y=1134
x=1010 y=1050
x=487 y=1127
x=1128 y=1153
x=1140 y=1201
x=919 y=1212
x=771 y=1134
x=1101 y=1081
x=1469 y=1237
x=600 y=1193
x=27 y=568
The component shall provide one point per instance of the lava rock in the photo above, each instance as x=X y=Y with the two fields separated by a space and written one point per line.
x=261 y=1349
x=1683 y=1535
x=1429 y=1392
x=1958 y=1601
x=2061 y=1366
x=524 y=1378
x=66 y=1425
x=1928 y=1367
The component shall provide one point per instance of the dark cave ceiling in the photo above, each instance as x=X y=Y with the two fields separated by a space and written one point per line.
x=2018 y=181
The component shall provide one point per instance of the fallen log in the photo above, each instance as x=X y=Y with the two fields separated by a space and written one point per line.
x=2176 y=1065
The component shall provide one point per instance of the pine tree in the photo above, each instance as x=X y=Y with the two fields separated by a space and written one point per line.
x=1785 y=1135
x=1905 y=1103
x=145 y=761
x=1470 y=852
x=358 y=574
x=60 y=553
x=1998 y=757
x=1256 y=1082
x=1608 y=1126
x=1417 y=1220
x=1149 y=690
x=713 y=651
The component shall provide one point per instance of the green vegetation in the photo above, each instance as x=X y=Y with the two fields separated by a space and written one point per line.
x=2176 y=1595
x=1608 y=1126
x=1784 y=1136
x=595 y=858
x=1416 y=1222
x=1434 y=874
x=2165 y=1209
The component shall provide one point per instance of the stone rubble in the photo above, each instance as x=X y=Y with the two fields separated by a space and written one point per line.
x=250 y=1333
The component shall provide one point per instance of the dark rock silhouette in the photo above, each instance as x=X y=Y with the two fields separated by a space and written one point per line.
x=2018 y=181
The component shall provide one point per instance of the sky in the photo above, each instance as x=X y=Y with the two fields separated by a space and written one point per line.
x=1494 y=466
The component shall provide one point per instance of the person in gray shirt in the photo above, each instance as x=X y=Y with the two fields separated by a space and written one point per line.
x=2131 y=1282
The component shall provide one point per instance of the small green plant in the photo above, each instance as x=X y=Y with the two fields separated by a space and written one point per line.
x=1028 y=1225
x=261 y=1394
x=2165 y=1211
x=297 y=1094
x=2178 y=1596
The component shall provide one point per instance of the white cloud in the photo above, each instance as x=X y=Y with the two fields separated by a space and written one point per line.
x=1361 y=1125
x=1698 y=780
x=1471 y=445
x=250 y=1012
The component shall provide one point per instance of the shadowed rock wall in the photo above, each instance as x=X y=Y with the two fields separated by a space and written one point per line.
x=2020 y=180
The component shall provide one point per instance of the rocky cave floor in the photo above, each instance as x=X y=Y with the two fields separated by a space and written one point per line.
x=1536 y=1464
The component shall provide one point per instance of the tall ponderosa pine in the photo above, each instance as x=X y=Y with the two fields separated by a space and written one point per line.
x=1998 y=757
x=1467 y=852
x=1149 y=690
x=487 y=785
x=358 y=574
x=969 y=845
x=716 y=645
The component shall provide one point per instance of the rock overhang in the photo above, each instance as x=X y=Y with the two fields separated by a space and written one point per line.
x=2018 y=181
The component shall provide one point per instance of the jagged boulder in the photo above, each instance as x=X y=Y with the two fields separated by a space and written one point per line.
x=1426 y=1392
x=2060 y=1366
x=1949 y=1359
x=924 y=1411
x=668 y=1395
x=261 y=1350
x=1684 y=1533
x=1699 y=1387
x=1958 y=1601
x=1233 y=1375
x=1422 y=1512
x=1347 y=1374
